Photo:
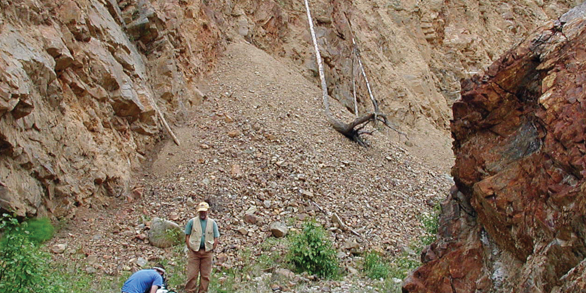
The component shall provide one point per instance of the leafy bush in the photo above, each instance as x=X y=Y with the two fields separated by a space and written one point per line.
x=375 y=266
x=311 y=251
x=24 y=267
x=39 y=230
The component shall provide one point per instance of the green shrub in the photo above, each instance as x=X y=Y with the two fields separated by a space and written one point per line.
x=24 y=267
x=39 y=230
x=311 y=251
x=375 y=266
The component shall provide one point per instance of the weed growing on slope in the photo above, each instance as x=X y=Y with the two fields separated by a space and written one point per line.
x=312 y=251
x=409 y=260
x=430 y=223
x=375 y=266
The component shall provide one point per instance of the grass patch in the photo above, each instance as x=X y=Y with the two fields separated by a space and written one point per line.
x=252 y=273
x=74 y=277
x=176 y=268
x=375 y=266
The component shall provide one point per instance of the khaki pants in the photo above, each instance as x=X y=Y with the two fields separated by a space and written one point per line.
x=198 y=263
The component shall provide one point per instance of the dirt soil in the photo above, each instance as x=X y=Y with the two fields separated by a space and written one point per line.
x=260 y=143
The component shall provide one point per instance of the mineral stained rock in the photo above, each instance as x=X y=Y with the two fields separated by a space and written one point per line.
x=515 y=221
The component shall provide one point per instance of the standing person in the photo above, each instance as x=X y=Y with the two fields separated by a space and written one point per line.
x=145 y=281
x=201 y=237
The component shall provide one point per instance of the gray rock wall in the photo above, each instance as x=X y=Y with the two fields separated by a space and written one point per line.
x=80 y=82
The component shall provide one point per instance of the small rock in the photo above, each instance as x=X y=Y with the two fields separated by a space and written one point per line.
x=92 y=259
x=285 y=273
x=307 y=194
x=58 y=248
x=90 y=270
x=233 y=133
x=242 y=231
x=251 y=210
x=350 y=244
x=236 y=171
x=250 y=219
x=141 y=262
x=352 y=271
x=204 y=146
x=279 y=229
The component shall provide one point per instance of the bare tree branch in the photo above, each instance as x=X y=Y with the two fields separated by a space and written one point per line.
x=354 y=90
x=320 y=65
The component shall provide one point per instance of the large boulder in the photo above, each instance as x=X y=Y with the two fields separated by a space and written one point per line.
x=165 y=233
x=515 y=222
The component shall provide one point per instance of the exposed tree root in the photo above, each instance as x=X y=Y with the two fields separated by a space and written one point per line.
x=354 y=130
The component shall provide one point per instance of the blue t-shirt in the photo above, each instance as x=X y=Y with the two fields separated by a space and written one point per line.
x=142 y=281
x=204 y=224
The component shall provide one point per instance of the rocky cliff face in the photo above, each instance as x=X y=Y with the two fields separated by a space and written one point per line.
x=515 y=219
x=84 y=84
x=81 y=83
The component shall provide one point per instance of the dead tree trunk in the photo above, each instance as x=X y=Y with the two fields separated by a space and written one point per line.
x=352 y=130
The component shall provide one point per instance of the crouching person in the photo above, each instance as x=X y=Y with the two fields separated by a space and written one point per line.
x=145 y=281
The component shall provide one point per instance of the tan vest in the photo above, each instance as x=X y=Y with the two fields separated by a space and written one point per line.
x=195 y=236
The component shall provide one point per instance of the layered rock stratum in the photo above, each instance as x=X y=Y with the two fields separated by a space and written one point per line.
x=515 y=219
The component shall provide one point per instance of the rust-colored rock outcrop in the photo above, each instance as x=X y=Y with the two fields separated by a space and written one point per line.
x=515 y=222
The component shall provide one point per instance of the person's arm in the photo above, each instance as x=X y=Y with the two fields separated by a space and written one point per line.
x=216 y=235
x=157 y=283
x=188 y=232
x=154 y=289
